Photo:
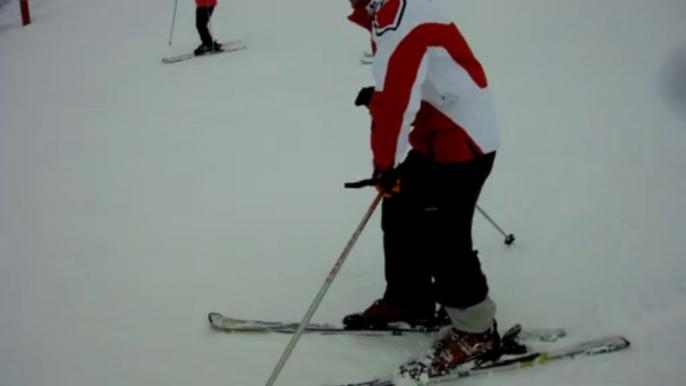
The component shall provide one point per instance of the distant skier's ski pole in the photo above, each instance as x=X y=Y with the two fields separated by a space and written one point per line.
x=322 y=291
x=509 y=238
x=176 y=3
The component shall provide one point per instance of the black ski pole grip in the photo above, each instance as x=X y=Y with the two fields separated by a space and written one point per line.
x=361 y=183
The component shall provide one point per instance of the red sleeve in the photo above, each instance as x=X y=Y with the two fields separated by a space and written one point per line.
x=361 y=18
x=394 y=108
x=388 y=118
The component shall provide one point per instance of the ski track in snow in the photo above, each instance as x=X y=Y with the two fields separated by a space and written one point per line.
x=135 y=197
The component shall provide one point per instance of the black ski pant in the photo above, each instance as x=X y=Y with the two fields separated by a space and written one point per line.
x=427 y=235
x=202 y=19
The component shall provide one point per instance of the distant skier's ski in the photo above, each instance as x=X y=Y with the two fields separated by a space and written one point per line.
x=593 y=347
x=230 y=46
x=220 y=322
x=367 y=58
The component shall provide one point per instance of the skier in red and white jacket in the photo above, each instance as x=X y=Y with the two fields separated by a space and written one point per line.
x=434 y=137
x=203 y=14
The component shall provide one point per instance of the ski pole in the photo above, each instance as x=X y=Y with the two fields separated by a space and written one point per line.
x=176 y=3
x=509 y=238
x=322 y=292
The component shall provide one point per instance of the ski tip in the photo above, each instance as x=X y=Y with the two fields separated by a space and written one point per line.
x=212 y=316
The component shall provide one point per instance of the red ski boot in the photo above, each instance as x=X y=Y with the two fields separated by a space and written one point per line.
x=457 y=347
x=382 y=313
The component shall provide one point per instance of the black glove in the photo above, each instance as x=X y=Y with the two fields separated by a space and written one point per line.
x=388 y=182
x=358 y=3
x=364 y=97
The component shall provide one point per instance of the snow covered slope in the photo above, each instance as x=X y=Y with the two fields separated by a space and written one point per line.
x=135 y=197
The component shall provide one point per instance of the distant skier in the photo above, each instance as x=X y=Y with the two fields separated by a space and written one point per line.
x=434 y=137
x=203 y=13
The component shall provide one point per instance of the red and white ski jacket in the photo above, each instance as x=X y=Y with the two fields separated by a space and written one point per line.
x=431 y=93
x=206 y=3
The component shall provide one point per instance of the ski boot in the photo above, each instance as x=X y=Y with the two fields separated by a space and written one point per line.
x=451 y=350
x=383 y=315
x=457 y=347
x=202 y=50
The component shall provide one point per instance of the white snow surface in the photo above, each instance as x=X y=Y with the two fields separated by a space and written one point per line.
x=136 y=197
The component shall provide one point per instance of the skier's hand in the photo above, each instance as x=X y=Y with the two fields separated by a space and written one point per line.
x=359 y=3
x=388 y=182
x=364 y=97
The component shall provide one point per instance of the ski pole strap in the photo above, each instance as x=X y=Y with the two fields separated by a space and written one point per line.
x=361 y=183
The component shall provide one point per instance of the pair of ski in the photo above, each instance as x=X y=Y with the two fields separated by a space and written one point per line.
x=515 y=354
x=230 y=46
x=367 y=58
